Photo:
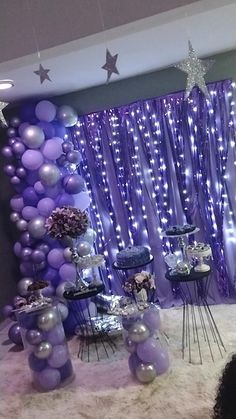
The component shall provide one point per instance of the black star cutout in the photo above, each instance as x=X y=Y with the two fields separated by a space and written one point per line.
x=110 y=64
x=43 y=73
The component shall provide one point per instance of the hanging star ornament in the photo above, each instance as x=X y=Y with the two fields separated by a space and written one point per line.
x=43 y=73
x=110 y=65
x=196 y=70
x=3 y=105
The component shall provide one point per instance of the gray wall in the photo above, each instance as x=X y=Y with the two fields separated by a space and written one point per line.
x=89 y=100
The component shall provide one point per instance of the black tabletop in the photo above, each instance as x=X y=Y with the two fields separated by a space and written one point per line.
x=193 y=276
x=80 y=295
x=126 y=268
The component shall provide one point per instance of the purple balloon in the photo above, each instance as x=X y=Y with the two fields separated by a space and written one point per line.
x=40 y=266
x=15 y=122
x=11 y=141
x=45 y=111
x=26 y=239
x=59 y=356
x=7 y=152
x=162 y=363
x=56 y=336
x=65 y=200
x=18 y=148
x=152 y=319
x=15 y=335
x=21 y=172
x=56 y=258
x=45 y=206
x=27 y=268
x=48 y=129
x=74 y=157
x=9 y=170
x=67 y=147
x=28 y=321
x=30 y=197
x=17 y=249
x=67 y=272
x=62 y=160
x=48 y=379
x=22 y=127
x=26 y=253
x=35 y=363
x=82 y=201
x=32 y=159
x=66 y=370
x=60 y=130
x=53 y=191
x=29 y=212
x=52 y=276
x=73 y=184
x=32 y=177
x=17 y=203
x=148 y=350
x=133 y=362
x=44 y=247
x=49 y=291
x=39 y=187
x=52 y=149
x=7 y=311
x=127 y=322
x=38 y=256
x=11 y=132
x=15 y=180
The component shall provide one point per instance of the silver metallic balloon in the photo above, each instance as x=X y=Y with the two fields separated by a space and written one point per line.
x=22 y=286
x=146 y=373
x=67 y=254
x=47 y=320
x=34 y=336
x=14 y=217
x=84 y=248
x=138 y=332
x=130 y=345
x=33 y=136
x=15 y=122
x=11 y=132
x=43 y=350
x=49 y=174
x=21 y=225
x=67 y=116
x=36 y=227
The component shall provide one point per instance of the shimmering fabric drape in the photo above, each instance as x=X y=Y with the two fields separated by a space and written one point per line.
x=160 y=162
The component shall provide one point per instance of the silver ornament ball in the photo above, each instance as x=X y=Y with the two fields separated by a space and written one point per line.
x=34 y=336
x=43 y=350
x=36 y=227
x=146 y=373
x=138 y=332
x=84 y=248
x=47 y=320
x=22 y=286
x=49 y=174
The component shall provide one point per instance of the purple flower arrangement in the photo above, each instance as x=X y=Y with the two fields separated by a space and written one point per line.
x=67 y=221
x=139 y=281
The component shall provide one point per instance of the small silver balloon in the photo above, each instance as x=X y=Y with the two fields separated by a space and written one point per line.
x=84 y=248
x=21 y=225
x=33 y=136
x=138 y=332
x=43 y=350
x=47 y=320
x=14 y=217
x=67 y=254
x=146 y=373
x=36 y=227
x=130 y=345
x=49 y=174
x=67 y=116
x=34 y=336
x=22 y=286
x=63 y=311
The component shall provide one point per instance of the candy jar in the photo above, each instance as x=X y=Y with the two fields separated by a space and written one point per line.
x=45 y=343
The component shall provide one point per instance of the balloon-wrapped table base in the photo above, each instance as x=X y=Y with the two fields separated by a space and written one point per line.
x=44 y=338
x=148 y=355
x=95 y=332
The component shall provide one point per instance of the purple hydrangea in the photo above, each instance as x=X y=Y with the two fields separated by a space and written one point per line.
x=67 y=221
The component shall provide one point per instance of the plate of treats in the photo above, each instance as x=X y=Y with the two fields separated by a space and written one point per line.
x=132 y=257
x=178 y=230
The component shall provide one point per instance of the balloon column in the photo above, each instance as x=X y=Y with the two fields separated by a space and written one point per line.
x=148 y=358
x=43 y=167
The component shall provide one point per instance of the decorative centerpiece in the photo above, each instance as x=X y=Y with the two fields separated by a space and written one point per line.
x=44 y=339
x=139 y=285
x=199 y=252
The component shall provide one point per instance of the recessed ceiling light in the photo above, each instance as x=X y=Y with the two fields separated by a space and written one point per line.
x=6 y=84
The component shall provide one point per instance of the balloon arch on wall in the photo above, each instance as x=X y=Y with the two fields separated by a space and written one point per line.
x=44 y=170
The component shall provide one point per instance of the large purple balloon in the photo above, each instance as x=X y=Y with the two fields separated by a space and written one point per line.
x=32 y=159
x=17 y=203
x=30 y=197
x=59 y=356
x=29 y=212
x=35 y=363
x=148 y=350
x=45 y=206
x=152 y=319
x=52 y=149
x=15 y=335
x=9 y=170
x=48 y=129
x=133 y=362
x=48 y=379
x=56 y=258
x=67 y=272
x=65 y=200
x=45 y=111
x=162 y=363
x=56 y=336
x=73 y=184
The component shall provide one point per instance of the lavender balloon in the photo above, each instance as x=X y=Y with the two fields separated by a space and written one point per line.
x=29 y=212
x=48 y=379
x=46 y=206
x=32 y=159
x=56 y=258
x=73 y=156
x=7 y=152
x=52 y=149
x=45 y=111
x=162 y=362
x=9 y=170
x=59 y=356
x=67 y=272
x=56 y=336
x=152 y=319
x=39 y=187
x=17 y=203
x=35 y=363
x=21 y=172
x=149 y=350
x=26 y=253
x=15 y=180
x=30 y=196
x=18 y=148
x=14 y=217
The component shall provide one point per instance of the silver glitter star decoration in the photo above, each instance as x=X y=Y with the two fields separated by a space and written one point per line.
x=196 y=70
x=2 y=118
x=110 y=65
x=43 y=73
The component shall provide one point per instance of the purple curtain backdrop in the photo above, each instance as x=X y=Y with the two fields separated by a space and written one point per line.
x=160 y=162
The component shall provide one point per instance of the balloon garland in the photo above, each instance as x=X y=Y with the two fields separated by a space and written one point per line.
x=43 y=168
